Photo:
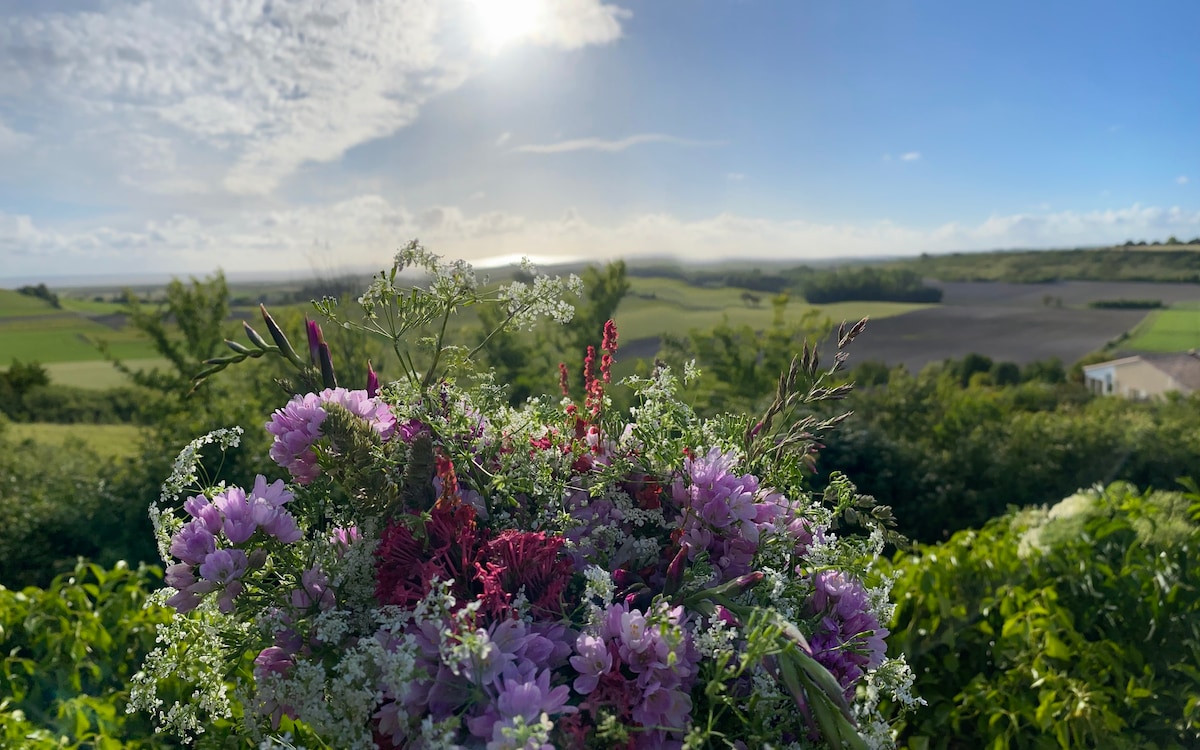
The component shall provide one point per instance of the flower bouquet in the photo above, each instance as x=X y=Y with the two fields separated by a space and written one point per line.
x=442 y=570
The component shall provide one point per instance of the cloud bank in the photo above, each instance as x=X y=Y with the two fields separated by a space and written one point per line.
x=366 y=230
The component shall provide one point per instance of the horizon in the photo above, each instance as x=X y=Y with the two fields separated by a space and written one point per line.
x=175 y=139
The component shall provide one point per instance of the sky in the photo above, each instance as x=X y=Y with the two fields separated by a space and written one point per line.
x=285 y=135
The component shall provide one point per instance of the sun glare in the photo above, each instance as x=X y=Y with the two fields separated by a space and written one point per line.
x=503 y=22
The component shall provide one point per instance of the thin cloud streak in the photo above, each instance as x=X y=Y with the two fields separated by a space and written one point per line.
x=910 y=156
x=608 y=146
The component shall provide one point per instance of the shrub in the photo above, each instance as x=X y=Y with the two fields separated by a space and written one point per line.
x=69 y=652
x=1073 y=627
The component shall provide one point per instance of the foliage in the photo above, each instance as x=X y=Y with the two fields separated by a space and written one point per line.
x=1126 y=304
x=948 y=458
x=868 y=283
x=52 y=516
x=1082 y=264
x=41 y=291
x=1076 y=627
x=69 y=654
x=739 y=366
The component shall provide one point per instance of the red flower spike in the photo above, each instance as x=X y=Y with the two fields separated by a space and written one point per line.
x=406 y=563
x=517 y=560
x=563 y=379
x=606 y=367
x=610 y=337
x=589 y=362
x=445 y=470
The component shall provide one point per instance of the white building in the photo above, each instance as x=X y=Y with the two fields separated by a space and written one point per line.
x=1145 y=375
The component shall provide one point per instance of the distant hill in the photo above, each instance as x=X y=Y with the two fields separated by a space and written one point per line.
x=1171 y=263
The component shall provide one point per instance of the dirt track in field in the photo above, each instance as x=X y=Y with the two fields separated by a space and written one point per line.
x=1012 y=322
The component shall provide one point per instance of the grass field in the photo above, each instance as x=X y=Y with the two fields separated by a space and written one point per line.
x=97 y=373
x=1173 y=330
x=15 y=305
x=108 y=440
x=655 y=307
x=64 y=337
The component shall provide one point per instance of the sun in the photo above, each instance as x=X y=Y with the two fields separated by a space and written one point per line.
x=503 y=22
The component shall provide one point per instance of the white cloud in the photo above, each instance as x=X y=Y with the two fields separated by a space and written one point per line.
x=910 y=156
x=1182 y=179
x=251 y=90
x=503 y=138
x=735 y=176
x=364 y=231
x=599 y=144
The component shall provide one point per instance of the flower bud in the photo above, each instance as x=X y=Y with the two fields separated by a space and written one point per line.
x=257 y=559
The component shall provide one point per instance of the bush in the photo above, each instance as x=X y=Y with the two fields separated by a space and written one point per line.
x=69 y=653
x=1073 y=627
x=1126 y=304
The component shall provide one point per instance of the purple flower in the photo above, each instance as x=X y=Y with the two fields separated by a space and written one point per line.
x=276 y=493
x=594 y=660
x=272 y=660
x=238 y=523
x=200 y=508
x=372 y=381
x=224 y=566
x=530 y=699
x=297 y=426
x=314 y=590
x=315 y=339
x=848 y=639
x=188 y=591
x=724 y=514
x=663 y=707
x=375 y=412
x=193 y=542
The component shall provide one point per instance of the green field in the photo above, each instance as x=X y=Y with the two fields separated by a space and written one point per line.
x=655 y=307
x=97 y=373
x=64 y=337
x=15 y=305
x=1173 y=330
x=108 y=440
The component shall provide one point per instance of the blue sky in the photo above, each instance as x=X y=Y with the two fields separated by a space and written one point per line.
x=271 y=135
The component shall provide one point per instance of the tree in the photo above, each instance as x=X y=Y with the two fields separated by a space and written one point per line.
x=603 y=290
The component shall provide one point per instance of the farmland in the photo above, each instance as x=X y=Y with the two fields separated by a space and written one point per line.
x=1028 y=322
x=107 y=440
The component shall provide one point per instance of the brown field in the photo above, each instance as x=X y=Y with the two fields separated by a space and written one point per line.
x=1012 y=322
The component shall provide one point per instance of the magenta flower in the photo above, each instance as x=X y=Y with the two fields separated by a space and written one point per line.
x=272 y=660
x=297 y=427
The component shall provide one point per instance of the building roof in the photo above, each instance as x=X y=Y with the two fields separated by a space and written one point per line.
x=1184 y=367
